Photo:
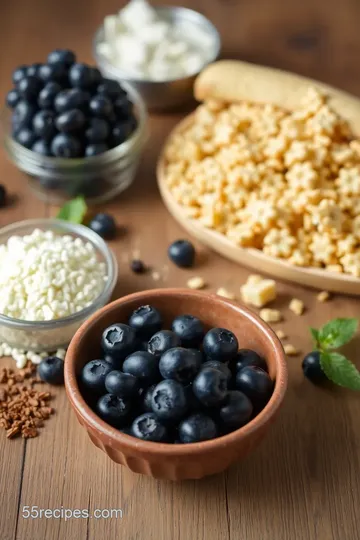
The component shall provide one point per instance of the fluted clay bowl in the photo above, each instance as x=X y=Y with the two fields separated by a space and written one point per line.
x=177 y=461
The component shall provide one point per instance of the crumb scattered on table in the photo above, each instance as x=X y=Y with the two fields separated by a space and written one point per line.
x=281 y=334
x=258 y=291
x=290 y=350
x=297 y=306
x=225 y=293
x=323 y=296
x=196 y=282
x=271 y=315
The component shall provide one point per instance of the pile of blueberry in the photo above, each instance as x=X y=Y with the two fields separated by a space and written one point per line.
x=68 y=109
x=181 y=385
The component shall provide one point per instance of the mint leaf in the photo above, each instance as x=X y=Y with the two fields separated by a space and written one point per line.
x=340 y=370
x=336 y=333
x=315 y=335
x=73 y=211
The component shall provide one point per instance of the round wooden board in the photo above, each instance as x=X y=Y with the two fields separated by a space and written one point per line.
x=252 y=258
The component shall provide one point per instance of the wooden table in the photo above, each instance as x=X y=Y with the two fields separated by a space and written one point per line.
x=303 y=482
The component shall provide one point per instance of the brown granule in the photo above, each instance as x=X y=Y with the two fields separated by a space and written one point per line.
x=22 y=408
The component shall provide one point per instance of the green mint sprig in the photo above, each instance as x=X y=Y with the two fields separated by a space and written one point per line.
x=73 y=211
x=336 y=366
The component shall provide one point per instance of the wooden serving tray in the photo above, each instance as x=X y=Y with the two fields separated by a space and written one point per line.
x=271 y=87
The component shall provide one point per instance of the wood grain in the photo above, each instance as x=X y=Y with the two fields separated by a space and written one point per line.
x=303 y=482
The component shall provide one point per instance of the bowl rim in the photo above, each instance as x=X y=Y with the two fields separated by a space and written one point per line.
x=120 y=74
x=87 y=235
x=116 y=437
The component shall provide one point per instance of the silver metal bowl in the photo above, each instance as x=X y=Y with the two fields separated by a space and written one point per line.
x=170 y=93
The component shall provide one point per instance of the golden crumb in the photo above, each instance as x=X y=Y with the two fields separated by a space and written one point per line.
x=297 y=306
x=270 y=315
x=225 y=293
x=323 y=296
x=281 y=334
x=156 y=276
x=290 y=350
x=258 y=291
x=196 y=282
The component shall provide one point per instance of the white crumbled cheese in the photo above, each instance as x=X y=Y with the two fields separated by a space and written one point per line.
x=225 y=293
x=139 y=42
x=281 y=334
x=323 y=296
x=196 y=282
x=297 y=306
x=270 y=315
x=44 y=276
x=258 y=291
x=290 y=350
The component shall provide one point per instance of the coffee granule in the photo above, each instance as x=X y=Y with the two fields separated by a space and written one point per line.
x=22 y=408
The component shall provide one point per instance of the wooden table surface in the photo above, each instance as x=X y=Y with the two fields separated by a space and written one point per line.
x=303 y=482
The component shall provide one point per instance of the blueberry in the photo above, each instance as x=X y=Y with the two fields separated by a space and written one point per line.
x=163 y=341
x=182 y=253
x=23 y=115
x=180 y=364
x=41 y=147
x=66 y=146
x=111 y=89
x=101 y=106
x=96 y=77
x=144 y=366
x=44 y=124
x=197 y=427
x=146 y=320
x=81 y=76
x=189 y=329
x=13 y=98
x=113 y=410
x=220 y=344
x=137 y=266
x=53 y=72
x=26 y=137
x=148 y=428
x=122 y=384
x=19 y=73
x=48 y=94
x=118 y=340
x=51 y=370
x=70 y=121
x=169 y=401
x=147 y=397
x=97 y=131
x=33 y=70
x=124 y=108
x=95 y=149
x=71 y=98
x=104 y=225
x=236 y=411
x=255 y=383
x=3 y=196
x=29 y=88
x=210 y=387
x=220 y=366
x=114 y=363
x=312 y=368
x=247 y=357
x=93 y=375
x=61 y=56
x=119 y=134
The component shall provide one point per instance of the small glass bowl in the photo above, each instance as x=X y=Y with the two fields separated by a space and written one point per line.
x=98 y=178
x=56 y=334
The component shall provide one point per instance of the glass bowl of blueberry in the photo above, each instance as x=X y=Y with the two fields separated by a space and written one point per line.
x=175 y=384
x=73 y=131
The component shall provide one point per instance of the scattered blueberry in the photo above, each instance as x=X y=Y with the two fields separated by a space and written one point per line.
x=182 y=253
x=146 y=320
x=66 y=146
x=19 y=74
x=144 y=366
x=44 y=124
x=162 y=341
x=196 y=428
x=13 y=98
x=97 y=131
x=122 y=384
x=168 y=401
x=51 y=370
x=41 y=147
x=255 y=383
x=148 y=428
x=93 y=375
x=118 y=340
x=137 y=266
x=62 y=56
x=113 y=409
x=189 y=329
x=220 y=344
x=104 y=225
x=220 y=366
x=210 y=387
x=26 y=137
x=48 y=94
x=247 y=357
x=3 y=196
x=95 y=149
x=236 y=411
x=180 y=364
x=312 y=368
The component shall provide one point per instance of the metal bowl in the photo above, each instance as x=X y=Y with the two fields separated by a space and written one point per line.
x=171 y=93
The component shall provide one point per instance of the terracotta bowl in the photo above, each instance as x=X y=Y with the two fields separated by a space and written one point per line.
x=177 y=461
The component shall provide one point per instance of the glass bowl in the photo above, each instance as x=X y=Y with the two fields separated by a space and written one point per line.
x=98 y=178
x=56 y=334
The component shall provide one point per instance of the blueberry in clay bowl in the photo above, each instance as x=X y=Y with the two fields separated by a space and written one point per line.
x=180 y=411
x=73 y=131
